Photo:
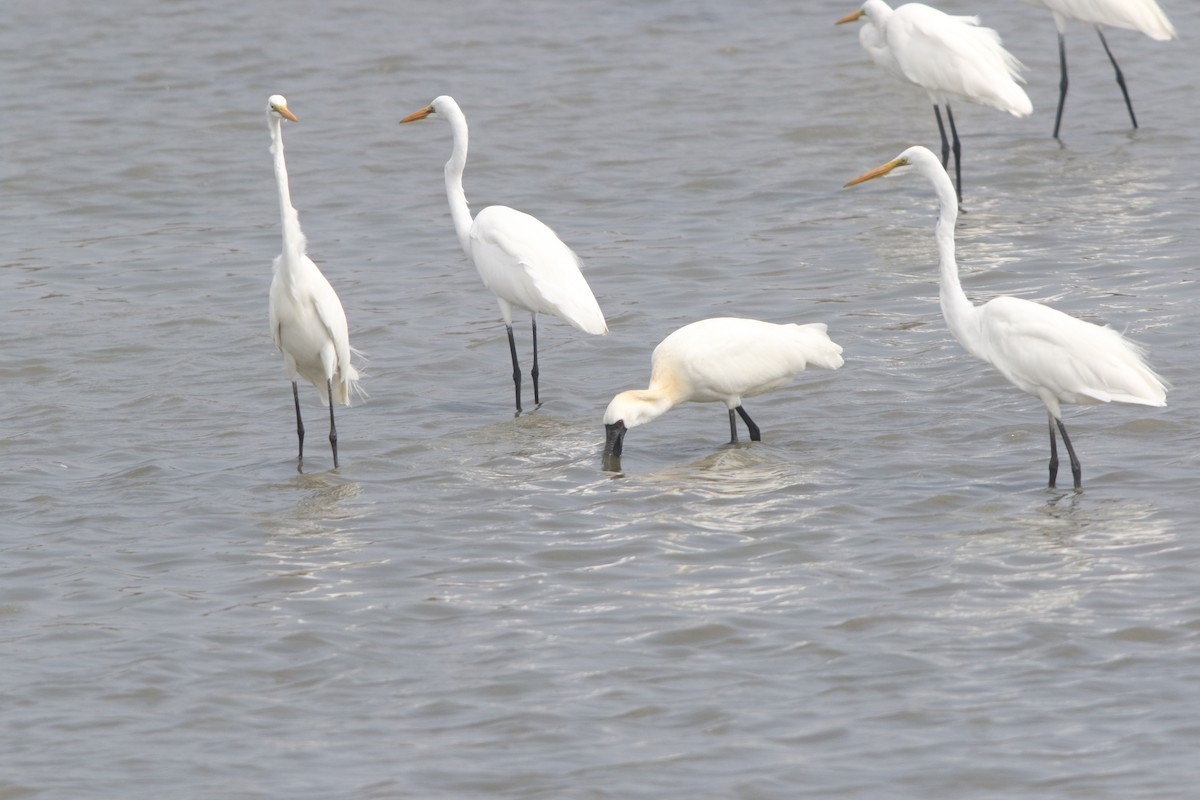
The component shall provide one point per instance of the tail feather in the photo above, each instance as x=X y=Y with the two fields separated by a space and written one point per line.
x=820 y=350
x=348 y=387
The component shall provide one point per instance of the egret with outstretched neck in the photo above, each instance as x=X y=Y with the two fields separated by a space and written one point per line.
x=519 y=258
x=1040 y=350
x=308 y=323
x=723 y=359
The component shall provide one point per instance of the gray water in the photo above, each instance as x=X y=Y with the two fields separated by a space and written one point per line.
x=880 y=599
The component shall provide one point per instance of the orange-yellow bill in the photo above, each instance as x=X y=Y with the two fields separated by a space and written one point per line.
x=285 y=113
x=850 y=17
x=878 y=171
x=416 y=115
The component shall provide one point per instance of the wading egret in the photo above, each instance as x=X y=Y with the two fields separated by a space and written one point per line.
x=722 y=359
x=519 y=258
x=308 y=324
x=949 y=57
x=1040 y=350
x=1135 y=15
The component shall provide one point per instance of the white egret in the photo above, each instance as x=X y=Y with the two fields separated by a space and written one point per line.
x=519 y=258
x=949 y=57
x=1040 y=350
x=308 y=323
x=721 y=359
x=1136 y=15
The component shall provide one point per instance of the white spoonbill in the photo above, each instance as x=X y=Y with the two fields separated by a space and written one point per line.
x=519 y=258
x=1040 y=350
x=721 y=359
x=308 y=323
x=1136 y=15
x=949 y=57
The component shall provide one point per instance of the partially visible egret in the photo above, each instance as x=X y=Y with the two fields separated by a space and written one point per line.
x=721 y=359
x=308 y=323
x=1040 y=350
x=949 y=57
x=519 y=258
x=1135 y=15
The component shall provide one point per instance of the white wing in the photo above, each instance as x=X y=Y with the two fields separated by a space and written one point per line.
x=525 y=264
x=954 y=56
x=1051 y=354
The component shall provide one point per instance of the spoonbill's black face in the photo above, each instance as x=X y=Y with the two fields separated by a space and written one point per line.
x=614 y=438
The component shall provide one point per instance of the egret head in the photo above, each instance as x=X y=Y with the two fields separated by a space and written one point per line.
x=441 y=108
x=896 y=163
x=277 y=106
x=876 y=11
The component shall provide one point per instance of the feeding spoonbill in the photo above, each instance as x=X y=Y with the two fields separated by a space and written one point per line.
x=1136 y=15
x=721 y=359
x=1040 y=350
x=308 y=324
x=949 y=57
x=519 y=258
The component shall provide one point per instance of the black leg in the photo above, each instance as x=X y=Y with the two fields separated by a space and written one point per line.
x=957 y=153
x=732 y=428
x=1120 y=80
x=1076 y=469
x=535 y=372
x=1062 y=82
x=299 y=427
x=937 y=112
x=755 y=434
x=1053 y=454
x=332 y=426
x=512 y=349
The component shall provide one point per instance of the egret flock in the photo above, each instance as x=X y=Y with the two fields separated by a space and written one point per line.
x=1053 y=356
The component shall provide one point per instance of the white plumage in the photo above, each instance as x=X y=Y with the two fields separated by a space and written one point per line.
x=1143 y=16
x=950 y=57
x=724 y=359
x=308 y=323
x=1051 y=355
x=519 y=258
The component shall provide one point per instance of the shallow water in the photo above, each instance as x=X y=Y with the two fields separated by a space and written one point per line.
x=879 y=599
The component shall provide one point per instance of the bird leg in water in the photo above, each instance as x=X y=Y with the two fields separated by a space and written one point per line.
x=732 y=428
x=1062 y=81
x=1076 y=469
x=755 y=435
x=299 y=426
x=1120 y=77
x=537 y=401
x=946 y=148
x=1053 y=453
x=512 y=349
x=957 y=148
x=332 y=426
x=937 y=112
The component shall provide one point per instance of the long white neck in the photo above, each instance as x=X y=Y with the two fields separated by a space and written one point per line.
x=962 y=318
x=293 y=238
x=460 y=212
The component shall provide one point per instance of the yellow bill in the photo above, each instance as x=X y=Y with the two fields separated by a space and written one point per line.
x=416 y=115
x=285 y=113
x=878 y=171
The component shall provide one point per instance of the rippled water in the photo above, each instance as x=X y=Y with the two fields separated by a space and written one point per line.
x=880 y=599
